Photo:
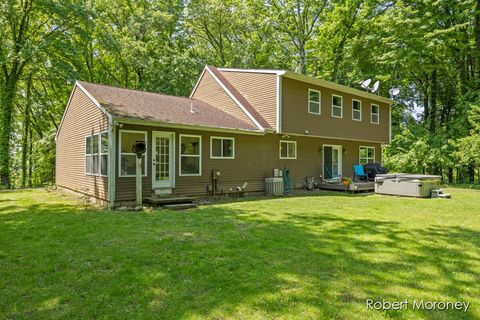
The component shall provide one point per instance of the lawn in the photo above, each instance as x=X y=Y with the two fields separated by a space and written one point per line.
x=311 y=257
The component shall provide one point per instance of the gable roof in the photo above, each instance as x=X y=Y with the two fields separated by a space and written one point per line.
x=257 y=118
x=142 y=105
x=315 y=81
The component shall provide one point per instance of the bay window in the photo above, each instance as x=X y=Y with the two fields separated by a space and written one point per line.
x=96 y=154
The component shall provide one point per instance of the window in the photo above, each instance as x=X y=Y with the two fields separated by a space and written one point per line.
x=288 y=150
x=96 y=154
x=128 y=158
x=337 y=106
x=222 y=148
x=190 y=155
x=104 y=153
x=88 y=154
x=314 y=101
x=375 y=115
x=356 y=110
x=367 y=155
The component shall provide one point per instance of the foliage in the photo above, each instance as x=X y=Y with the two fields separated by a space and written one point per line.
x=429 y=49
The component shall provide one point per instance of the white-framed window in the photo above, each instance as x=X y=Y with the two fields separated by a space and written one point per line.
x=127 y=158
x=288 y=149
x=96 y=154
x=190 y=155
x=375 y=114
x=222 y=148
x=366 y=155
x=314 y=101
x=356 y=110
x=337 y=106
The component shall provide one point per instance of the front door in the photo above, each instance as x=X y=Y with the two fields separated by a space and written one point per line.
x=332 y=161
x=163 y=161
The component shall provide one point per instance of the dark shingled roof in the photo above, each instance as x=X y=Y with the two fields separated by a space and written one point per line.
x=142 y=105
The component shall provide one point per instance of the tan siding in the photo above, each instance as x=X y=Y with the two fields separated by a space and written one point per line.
x=260 y=89
x=255 y=159
x=81 y=119
x=296 y=119
x=208 y=90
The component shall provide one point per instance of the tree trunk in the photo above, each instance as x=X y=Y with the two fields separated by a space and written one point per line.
x=471 y=173
x=7 y=99
x=30 y=162
x=450 y=175
x=433 y=101
x=476 y=29
x=26 y=129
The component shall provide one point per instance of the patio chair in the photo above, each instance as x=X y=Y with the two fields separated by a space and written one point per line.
x=359 y=172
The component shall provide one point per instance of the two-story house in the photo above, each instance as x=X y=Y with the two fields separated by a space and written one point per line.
x=242 y=123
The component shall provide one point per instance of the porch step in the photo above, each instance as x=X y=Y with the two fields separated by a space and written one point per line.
x=180 y=206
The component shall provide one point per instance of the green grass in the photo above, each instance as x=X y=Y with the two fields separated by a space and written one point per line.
x=313 y=257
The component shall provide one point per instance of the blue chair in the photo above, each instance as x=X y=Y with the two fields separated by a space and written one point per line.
x=359 y=172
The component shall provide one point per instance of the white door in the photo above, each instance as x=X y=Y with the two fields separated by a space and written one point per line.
x=332 y=161
x=163 y=161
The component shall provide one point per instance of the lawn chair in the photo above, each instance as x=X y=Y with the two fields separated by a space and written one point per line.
x=359 y=172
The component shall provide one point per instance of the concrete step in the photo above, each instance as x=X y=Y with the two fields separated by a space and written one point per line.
x=180 y=206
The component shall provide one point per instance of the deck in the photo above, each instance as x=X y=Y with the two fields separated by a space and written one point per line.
x=358 y=187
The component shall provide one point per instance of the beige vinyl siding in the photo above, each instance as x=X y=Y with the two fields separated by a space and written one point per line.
x=260 y=89
x=297 y=119
x=208 y=90
x=255 y=158
x=81 y=119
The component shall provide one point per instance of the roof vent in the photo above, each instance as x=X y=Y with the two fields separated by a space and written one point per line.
x=191 y=108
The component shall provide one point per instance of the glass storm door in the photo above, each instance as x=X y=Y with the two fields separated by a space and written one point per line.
x=332 y=161
x=163 y=160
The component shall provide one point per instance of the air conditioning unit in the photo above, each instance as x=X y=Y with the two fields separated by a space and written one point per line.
x=274 y=186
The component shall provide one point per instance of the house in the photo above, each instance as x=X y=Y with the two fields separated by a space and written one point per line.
x=243 y=123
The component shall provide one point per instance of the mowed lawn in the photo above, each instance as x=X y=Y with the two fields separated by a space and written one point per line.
x=311 y=257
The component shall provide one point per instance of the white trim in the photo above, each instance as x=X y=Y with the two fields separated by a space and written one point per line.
x=319 y=101
x=271 y=71
x=278 y=118
x=371 y=113
x=336 y=86
x=131 y=153
x=249 y=115
x=389 y=125
x=112 y=129
x=360 y=101
x=185 y=126
x=95 y=102
x=197 y=83
x=367 y=147
x=280 y=149
x=340 y=158
x=332 y=138
x=222 y=138
x=341 y=106
x=180 y=155
x=171 y=155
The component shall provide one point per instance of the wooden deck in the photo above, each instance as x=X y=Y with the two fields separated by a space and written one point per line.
x=358 y=187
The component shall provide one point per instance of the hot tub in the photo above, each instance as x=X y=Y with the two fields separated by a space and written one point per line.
x=408 y=185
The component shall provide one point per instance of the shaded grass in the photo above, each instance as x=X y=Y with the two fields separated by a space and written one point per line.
x=307 y=257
